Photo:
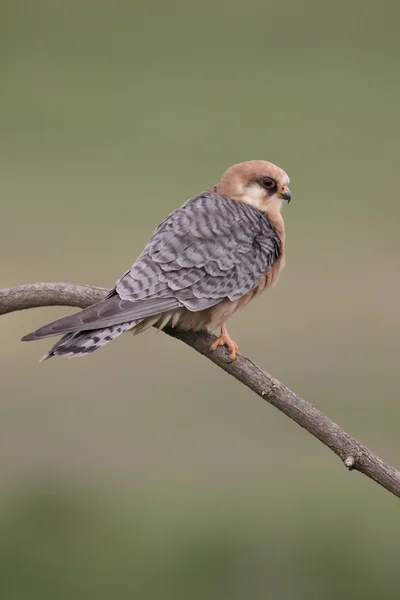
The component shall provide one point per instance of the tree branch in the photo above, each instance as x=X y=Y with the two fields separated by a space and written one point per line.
x=353 y=454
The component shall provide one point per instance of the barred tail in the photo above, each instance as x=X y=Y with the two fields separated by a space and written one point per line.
x=84 y=342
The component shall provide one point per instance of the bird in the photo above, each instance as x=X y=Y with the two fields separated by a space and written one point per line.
x=207 y=259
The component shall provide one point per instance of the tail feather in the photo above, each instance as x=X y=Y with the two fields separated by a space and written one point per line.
x=85 y=342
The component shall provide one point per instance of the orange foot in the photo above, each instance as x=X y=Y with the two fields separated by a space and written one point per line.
x=225 y=340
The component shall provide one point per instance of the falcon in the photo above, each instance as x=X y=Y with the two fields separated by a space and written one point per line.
x=206 y=260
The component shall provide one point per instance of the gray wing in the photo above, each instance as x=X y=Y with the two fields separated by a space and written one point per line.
x=207 y=250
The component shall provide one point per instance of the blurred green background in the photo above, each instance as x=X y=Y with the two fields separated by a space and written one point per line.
x=142 y=471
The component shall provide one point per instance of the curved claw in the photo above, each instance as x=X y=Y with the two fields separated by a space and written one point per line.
x=225 y=340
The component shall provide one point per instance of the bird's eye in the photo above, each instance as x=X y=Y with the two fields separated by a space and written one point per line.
x=268 y=183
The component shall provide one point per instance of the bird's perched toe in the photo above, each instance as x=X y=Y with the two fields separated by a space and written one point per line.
x=225 y=340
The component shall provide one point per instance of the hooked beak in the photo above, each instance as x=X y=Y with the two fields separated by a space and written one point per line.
x=285 y=194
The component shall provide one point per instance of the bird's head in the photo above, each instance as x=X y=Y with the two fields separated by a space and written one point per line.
x=258 y=183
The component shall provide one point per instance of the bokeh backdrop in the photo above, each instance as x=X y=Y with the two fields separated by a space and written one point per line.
x=142 y=471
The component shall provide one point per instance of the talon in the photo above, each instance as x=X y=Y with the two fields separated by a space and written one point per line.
x=225 y=340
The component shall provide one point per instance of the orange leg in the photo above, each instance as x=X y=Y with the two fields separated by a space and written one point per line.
x=225 y=340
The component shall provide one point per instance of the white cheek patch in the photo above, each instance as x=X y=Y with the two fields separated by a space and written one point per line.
x=255 y=196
